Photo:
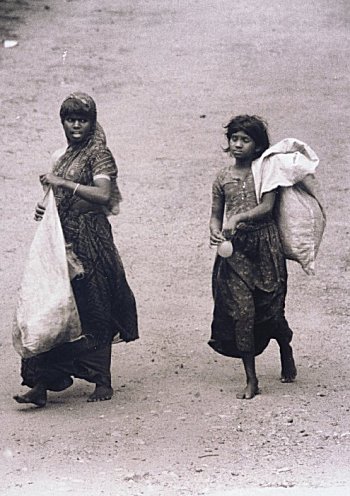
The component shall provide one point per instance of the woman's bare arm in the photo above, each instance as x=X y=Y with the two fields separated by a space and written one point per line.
x=99 y=193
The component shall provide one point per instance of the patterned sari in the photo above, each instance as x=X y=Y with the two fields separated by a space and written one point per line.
x=105 y=302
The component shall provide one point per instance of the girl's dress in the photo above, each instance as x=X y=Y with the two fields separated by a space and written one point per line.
x=249 y=287
x=105 y=302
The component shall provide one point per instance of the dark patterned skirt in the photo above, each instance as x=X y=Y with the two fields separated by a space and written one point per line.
x=249 y=290
x=106 y=307
x=105 y=301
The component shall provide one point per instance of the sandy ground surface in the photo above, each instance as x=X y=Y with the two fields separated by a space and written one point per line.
x=166 y=76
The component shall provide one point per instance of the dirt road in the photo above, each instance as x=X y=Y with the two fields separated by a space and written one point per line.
x=166 y=76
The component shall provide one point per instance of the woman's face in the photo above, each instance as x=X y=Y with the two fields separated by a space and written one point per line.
x=77 y=128
x=242 y=146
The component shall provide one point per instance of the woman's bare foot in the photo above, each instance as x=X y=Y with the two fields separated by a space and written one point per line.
x=101 y=393
x=289 y=370
x=37 y=396
x=251 y=390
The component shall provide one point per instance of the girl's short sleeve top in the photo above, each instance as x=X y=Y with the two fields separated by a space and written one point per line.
x=236 y=194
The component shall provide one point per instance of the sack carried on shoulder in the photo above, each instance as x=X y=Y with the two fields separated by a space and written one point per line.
x=46 y=314
x=301 y=223
x=290 y=165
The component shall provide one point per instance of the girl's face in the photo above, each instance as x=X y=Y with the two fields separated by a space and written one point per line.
x=77 y=128
x=242 y=146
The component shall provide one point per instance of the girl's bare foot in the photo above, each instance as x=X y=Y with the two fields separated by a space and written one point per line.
x=37 y=396
x=251 y=390
x=101 y=393
x=289 y=370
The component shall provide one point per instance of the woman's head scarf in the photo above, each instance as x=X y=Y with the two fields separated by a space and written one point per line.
x=79 y=103
x=82 y=104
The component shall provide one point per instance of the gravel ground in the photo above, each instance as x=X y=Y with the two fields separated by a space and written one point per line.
x=166 y=76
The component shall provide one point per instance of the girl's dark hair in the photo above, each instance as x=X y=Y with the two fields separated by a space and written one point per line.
x=254 y=126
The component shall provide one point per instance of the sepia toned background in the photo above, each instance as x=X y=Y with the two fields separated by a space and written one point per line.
x=166 y=76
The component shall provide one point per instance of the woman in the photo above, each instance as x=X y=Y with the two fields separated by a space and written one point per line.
x=84 y=183
x=250 y=284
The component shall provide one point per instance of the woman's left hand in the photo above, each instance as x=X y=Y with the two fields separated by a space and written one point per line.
x=51 y=179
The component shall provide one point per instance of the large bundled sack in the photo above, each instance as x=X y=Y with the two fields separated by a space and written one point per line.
x=46 y=314
x=290 y=165
x=301 y=223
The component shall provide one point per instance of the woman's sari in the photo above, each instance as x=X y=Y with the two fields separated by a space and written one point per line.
x=105 y=302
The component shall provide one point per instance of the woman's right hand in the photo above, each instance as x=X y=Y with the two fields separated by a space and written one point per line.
x=39 y=211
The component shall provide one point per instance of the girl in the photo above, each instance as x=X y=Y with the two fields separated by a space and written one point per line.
x=249 y=287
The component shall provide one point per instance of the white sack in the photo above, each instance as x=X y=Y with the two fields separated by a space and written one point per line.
x=46 y=313
x=288 y=165
x=301 y=223
x=284 y=164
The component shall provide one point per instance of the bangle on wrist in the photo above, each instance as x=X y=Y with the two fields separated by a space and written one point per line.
x=76 y=188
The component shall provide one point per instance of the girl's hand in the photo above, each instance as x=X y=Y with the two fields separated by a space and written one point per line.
x=51 y=179
x=231 y=224
x=216 y=238
x=39 y=211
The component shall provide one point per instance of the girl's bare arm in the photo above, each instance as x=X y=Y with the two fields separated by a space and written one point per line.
x=216 y=220
x=264 y=207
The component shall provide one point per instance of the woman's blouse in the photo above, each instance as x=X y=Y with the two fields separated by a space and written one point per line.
x=77 y=170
